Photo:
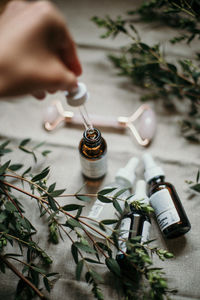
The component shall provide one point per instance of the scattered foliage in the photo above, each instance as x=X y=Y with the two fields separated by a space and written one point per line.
x=147 y=66
x=140 y=281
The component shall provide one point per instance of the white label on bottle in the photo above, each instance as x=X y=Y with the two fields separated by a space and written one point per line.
x=125 y=229
x=94 y=168
x=164 y=208
x=96 y=210
x=145 y=231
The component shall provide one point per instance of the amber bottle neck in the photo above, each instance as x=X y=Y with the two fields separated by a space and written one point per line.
x=92 y=138
x=156 y=180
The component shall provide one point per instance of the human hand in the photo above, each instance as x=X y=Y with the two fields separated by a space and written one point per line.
x=37 y=53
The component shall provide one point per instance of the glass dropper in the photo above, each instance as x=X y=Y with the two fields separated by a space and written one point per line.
x=78 y=98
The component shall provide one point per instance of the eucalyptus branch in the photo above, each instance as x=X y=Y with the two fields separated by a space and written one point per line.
x=149 y=69
x=13 y=202
x=21 y=276
x=136 y=256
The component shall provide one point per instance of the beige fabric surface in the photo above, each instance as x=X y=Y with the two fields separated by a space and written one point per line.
x=110 y=96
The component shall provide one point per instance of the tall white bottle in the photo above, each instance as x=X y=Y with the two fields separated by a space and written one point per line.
x=124 y=179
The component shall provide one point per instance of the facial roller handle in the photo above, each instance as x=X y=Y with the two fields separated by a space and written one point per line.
x=98 y=121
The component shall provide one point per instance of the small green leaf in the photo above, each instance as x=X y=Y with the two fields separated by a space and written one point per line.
x=93 y=261
x=10 y=207
x=4 y=144
x=145 y=47
x=196 y=187
x=71 y=207
x=46 y=152
x=120 y=192
x=79 y=269
x=102 y=227
x=2 y=267
x=51 y=188
x=105 y=248
x=198 y=175
x=96 y=276
x=106 y=191
x=15 y=167
x=104 y=199
x=12 y=254
x=109 y=221
x=46 y=284
x=117 y=206
x=113 y=266
x=39 y=145
x=73 y=223
x=52 y=274
x=83 y=198
x=25 y=150
x=3 y=217
x=169 y=255
x=79 y=212
x=57 y=193
x=39 y=270
x=4 y=167
x=52 y=203
x=26 y=172
x=87 y=276
x=42 y=175
x=24 y=142
x=74 y=252
x=84 y=247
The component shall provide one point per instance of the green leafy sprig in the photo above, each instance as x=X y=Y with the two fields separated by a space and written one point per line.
x=147 y=66
x=87 y=252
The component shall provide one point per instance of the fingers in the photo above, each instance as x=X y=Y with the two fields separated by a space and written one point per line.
x=69 y=54
x=13 y=7
x=52 y=77
x=40 y=95
x=60 y=37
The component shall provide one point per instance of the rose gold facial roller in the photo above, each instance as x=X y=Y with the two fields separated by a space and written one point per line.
x=144 y=115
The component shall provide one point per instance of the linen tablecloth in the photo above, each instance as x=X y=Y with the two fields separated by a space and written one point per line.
x=110 y=95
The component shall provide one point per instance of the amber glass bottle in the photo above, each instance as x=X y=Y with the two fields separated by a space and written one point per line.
x=93 y=150
x=169 y=211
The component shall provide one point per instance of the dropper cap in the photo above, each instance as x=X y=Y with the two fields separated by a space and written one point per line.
x=128 y=172
x=140 y=193
x=78 y=96
x=151 y=169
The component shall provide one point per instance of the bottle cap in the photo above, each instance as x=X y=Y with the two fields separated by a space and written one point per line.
x=151 y=169
x=128 y=172
x=140 y=193
x=78 y=96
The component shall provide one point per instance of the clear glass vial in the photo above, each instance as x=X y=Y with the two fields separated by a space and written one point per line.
x=93 y=154
x=169 y=211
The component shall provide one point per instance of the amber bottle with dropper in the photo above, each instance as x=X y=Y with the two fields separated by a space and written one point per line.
x=92 y=147
x=93 y=150
x=170 y=214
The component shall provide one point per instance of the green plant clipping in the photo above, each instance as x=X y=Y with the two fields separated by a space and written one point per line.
x=147 y=66
x=68 y=222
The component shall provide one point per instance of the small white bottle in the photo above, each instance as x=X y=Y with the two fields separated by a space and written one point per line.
x=124 y=179
x=136 y=222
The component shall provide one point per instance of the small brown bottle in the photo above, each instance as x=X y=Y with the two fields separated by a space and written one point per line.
x=170 y=214
x=93 y=154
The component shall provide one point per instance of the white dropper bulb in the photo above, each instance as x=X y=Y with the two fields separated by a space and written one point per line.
x=128 y=172
x=77 y=98
x=152 y=170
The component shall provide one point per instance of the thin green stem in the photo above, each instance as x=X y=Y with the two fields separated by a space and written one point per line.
x=21 y=276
